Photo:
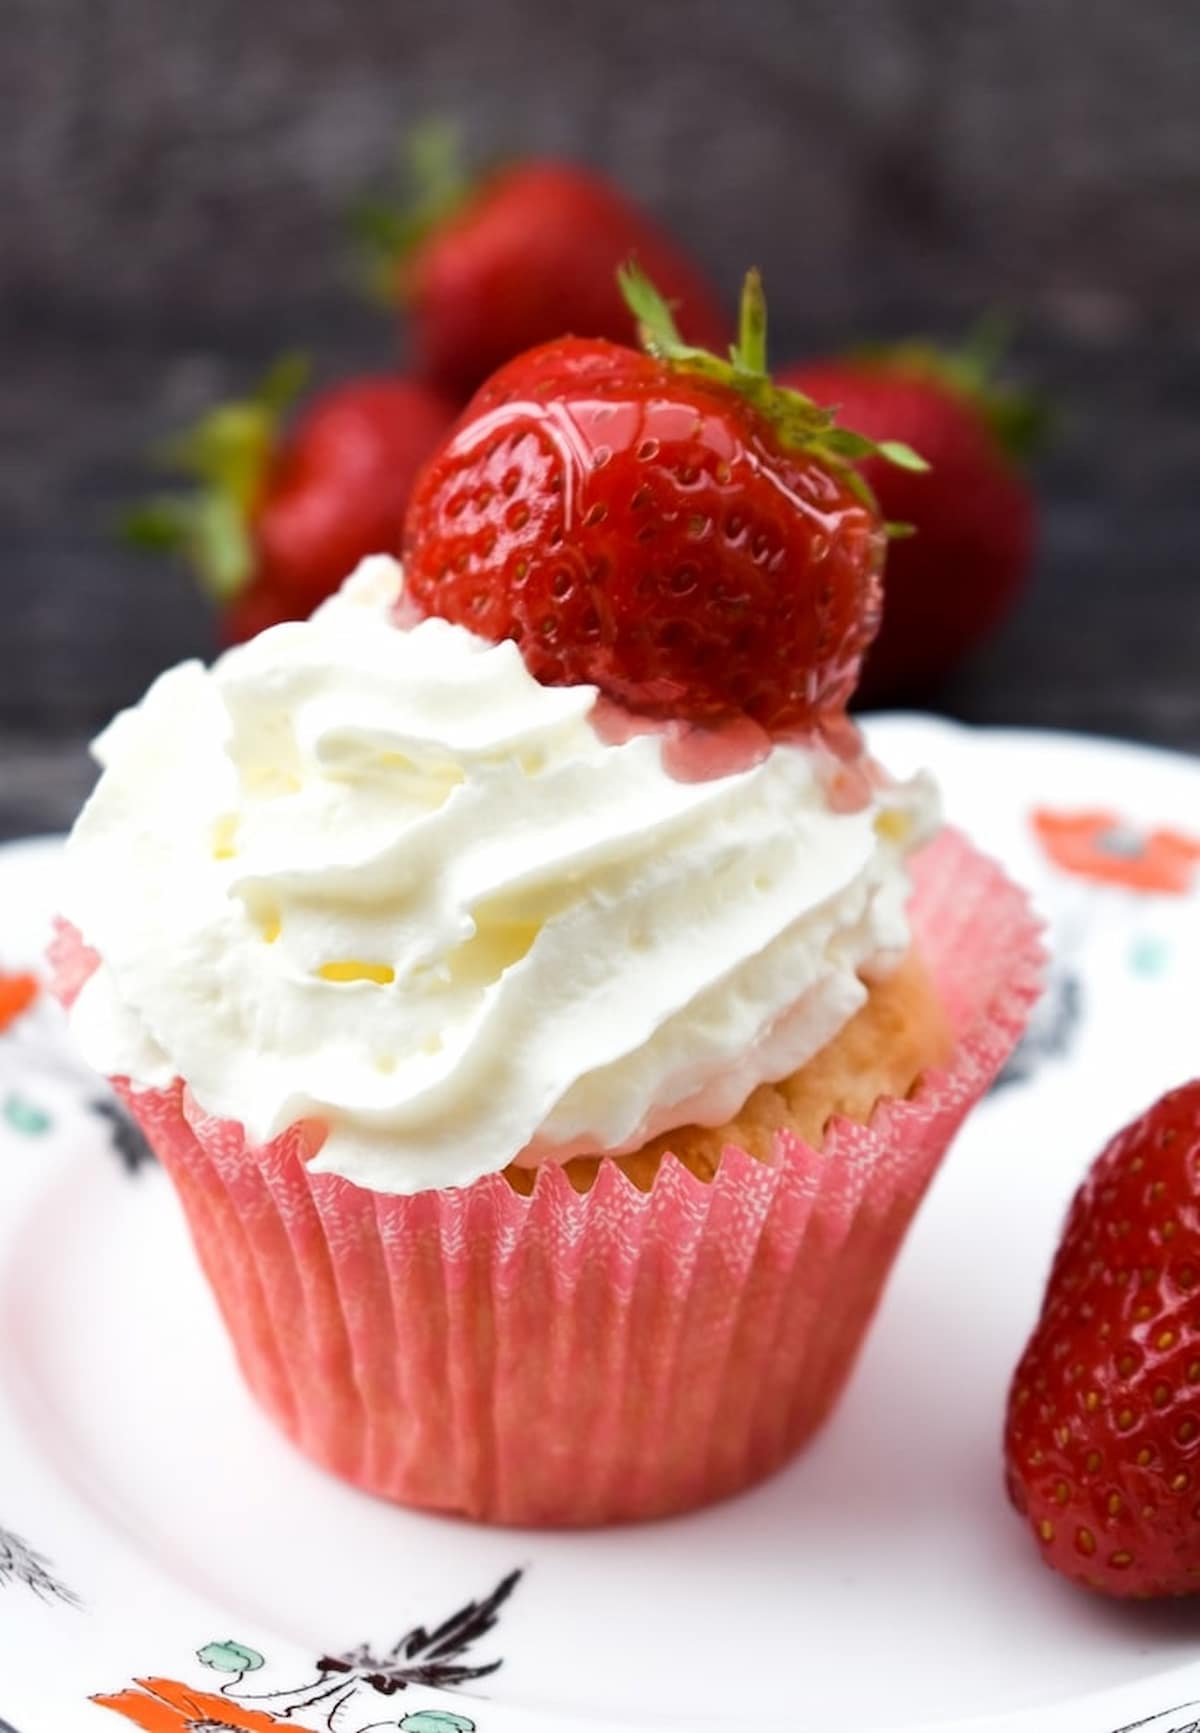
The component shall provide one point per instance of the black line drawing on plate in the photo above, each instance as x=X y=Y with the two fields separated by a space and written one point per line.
x=19 y=1563
x=345 y=1695
x=430 y=1658
x=124 y=1134
x=1051 y=1031
x=1157 y=1723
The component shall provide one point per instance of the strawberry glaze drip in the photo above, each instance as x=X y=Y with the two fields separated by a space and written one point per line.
x=693 y=752
x=847 y=774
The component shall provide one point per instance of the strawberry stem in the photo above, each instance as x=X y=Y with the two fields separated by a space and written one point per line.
x=799 y=423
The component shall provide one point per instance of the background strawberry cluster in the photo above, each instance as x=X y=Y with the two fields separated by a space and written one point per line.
x=176 y=194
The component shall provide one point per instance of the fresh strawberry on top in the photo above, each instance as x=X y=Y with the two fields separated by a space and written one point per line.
x=674 y=528
x=527 y=253
x=1102 y=1443
x=277 y=519
x=958 y=574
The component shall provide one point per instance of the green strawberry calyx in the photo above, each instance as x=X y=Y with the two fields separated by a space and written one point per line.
x=225 y=456
x=1019 y=420
x=800 y=424
x=435 y=184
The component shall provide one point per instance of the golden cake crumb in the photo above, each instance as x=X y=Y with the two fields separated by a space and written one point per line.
x=884 y=1050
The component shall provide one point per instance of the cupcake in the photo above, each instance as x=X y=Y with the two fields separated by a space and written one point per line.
x=548 y=1014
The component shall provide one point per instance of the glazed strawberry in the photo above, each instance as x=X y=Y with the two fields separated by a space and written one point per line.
x=953 y=580
x=280 y=519
x=673 y=528
x=1102 y=1442
x=528 y=254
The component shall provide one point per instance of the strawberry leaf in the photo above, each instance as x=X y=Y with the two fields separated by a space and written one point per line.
x=749 y=353
x=157 y=526
x=799 y=423
x=1019 y=420
x=848 y=444
x=433 y=183
x=226 y=456
x=903 y=456
x=657 y=329
x=283 y=382
x=220 y=545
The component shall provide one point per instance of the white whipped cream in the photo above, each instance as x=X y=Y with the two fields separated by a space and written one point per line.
x=383 y=879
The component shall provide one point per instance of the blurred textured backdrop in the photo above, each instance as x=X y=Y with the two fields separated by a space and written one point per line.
x=173 y=186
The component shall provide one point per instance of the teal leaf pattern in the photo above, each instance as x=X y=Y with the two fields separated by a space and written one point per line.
x=25 y=1116
x=436 y=1721
x=230 y=1657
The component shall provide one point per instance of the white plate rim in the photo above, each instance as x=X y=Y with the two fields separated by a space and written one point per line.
x=1177 y=1689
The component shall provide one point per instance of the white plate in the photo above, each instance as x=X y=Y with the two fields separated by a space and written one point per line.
x=881 y=1582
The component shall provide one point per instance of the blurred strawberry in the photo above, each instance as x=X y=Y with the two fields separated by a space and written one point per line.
x=254 y=609
x=966 y=526
x=1102 y=1436
x=487 y=269
x=277 y=519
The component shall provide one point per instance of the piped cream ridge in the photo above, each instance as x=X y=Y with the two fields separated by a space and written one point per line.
x=383 y=879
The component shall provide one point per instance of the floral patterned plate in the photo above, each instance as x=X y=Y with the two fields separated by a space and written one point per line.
x=168 y=1563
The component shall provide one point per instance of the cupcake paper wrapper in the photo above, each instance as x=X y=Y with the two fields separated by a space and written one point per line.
x=577 y=1359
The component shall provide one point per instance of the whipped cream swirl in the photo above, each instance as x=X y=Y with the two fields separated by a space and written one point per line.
x=382 y=879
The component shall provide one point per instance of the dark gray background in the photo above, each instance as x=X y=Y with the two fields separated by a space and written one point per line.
x=172 y=184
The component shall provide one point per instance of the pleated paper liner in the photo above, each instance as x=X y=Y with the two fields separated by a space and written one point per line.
x=568 y=1358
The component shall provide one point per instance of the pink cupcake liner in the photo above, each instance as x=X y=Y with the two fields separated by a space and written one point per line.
x=567 y=1359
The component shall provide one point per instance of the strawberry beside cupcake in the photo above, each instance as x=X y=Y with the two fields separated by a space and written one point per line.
x=549 y=1014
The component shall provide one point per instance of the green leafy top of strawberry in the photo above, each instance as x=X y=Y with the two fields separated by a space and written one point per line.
x=1019 y=420
x=225 y=455
x=435 y=182
x=701 y=547
x=800 y=424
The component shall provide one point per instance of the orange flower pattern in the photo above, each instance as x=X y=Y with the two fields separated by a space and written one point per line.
x=1100 y=846
x=166 y=1706
x=17 y=993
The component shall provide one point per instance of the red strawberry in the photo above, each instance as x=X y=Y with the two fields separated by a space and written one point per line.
x=1102 y=1442
x=528 y=254
x=954 y=580
x=278 y=522
x=253 y=610
x=674 y=528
